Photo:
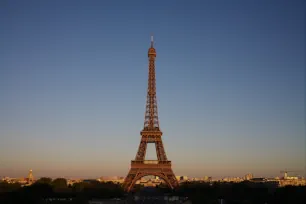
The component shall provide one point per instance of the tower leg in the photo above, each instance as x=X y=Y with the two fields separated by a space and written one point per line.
x=127 y=184
x=161 y=154
x=141 y=151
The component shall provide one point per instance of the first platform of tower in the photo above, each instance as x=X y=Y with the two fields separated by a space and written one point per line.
x=151 y=51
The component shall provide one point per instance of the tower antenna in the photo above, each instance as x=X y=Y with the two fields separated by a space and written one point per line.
x=152 y=40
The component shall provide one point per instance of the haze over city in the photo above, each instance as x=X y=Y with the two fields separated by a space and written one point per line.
x=230 y=86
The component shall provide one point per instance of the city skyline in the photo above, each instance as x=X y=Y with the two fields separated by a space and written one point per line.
x=283 y=175
x=230 y=86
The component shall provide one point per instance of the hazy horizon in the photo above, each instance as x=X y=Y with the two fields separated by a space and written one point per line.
x=230 y=86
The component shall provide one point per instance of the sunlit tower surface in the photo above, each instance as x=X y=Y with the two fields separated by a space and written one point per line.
x=30 y=176
x=151 y=133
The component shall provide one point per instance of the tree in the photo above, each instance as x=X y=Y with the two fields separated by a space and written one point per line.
x=44 y=180
x=78 y=187
x=59 y=185
x=9 y=187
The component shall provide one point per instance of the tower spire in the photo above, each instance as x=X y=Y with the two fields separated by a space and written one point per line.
x=152 y=41
x=151 y=116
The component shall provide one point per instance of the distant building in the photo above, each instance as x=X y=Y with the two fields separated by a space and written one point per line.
x=258 y=180
x=182 y=178
x=292 y=178
x=151 y=182
x=248 y=177
x=73 y=181
x=232 y=179
x=207 y=179
x=30 y=178
x=292 y=182
x=113 y=179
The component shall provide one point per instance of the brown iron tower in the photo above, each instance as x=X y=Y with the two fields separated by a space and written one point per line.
x=150 y=134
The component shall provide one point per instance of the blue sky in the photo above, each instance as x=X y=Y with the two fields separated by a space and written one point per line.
x=230 y=86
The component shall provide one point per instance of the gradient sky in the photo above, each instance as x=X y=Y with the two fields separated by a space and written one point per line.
x=230 y=86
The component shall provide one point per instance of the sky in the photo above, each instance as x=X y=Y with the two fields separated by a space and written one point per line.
x=230 y=86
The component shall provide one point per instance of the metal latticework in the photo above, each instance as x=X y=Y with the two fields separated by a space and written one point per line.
x=30 y=176
x=150 y=134
x=151 y=116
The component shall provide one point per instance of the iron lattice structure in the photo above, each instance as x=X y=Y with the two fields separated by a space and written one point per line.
x=30 y=176
x=151 y=133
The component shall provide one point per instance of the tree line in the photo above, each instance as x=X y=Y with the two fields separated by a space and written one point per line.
x=46 y=188
x=242 y=193
x=210 y=193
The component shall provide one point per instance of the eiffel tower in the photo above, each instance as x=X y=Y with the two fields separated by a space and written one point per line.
x=150 y=134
